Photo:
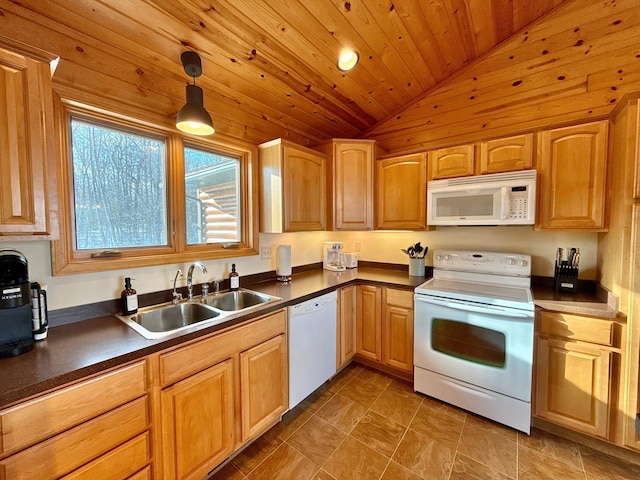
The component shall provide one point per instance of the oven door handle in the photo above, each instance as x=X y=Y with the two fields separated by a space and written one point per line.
x=469 y=307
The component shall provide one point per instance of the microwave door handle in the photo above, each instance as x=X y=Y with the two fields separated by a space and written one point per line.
x=468 y=307
x=505 y=203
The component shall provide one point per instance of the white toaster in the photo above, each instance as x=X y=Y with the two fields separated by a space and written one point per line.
x=350 y=260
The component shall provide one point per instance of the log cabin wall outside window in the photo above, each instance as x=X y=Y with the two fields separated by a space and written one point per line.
x=134 y=194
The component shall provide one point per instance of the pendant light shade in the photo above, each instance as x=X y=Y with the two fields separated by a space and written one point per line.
x=193 y=118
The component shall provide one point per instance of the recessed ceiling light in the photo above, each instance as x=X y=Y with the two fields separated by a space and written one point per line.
x=347 y=60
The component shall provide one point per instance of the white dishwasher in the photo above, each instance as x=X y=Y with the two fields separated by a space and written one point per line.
x=312 y=345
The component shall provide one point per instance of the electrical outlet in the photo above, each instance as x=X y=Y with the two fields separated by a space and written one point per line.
x=265 y=253
x=357 y=246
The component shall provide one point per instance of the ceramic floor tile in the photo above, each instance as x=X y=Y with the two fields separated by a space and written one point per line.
x=342 y=412
x=491 y=426
x=438 y=425
x=316 y=400
x=316 y=439
x=361 y=391
x=396 y=407
x=600 y=466
x=228 y=472
x=379 y=433
x=491 y=449
x=353 y=460
x=340 y=380
x=405 y=389
x=465 y=468
x=395 y=471
x=552 y=446
x=424 y=456
x=286 y=463
x=257 y=452
x=374 y=377
x=534 y=465
x=291 y=421
x=435 y=404
x=323 y=475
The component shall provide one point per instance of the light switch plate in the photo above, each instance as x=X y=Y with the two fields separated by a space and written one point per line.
x=265 y=253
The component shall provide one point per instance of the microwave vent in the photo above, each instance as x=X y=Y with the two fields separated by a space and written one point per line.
x=489 y=178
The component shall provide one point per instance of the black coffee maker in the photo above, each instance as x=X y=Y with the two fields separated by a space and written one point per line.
x=16 y=331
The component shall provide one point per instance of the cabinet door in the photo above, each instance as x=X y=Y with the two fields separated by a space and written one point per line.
x=506 y=154
x=304 y=190
x=265 y=388
x=397 y=329
x=573 y=383
x=27 y=151
x=197 y=422
x=353 y=181
x=451 y=162
x=401 y=192
x=346 y=325
x=369 y=323
x=572 y=177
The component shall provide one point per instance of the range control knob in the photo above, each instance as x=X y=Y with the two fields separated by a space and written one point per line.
x=447 y=257
x=522 y=263
x=439 y=257
x=511 y=261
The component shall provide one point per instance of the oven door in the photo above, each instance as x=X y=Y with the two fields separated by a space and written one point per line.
x=483 y=345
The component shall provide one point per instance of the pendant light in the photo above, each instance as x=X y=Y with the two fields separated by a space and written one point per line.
x=193 y=118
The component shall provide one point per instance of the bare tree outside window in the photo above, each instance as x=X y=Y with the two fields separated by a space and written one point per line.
x=119 y=187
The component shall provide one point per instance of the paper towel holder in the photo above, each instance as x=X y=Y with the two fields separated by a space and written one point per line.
x=283 y=263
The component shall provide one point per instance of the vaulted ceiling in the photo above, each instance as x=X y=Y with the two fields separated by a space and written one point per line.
x=269 y=66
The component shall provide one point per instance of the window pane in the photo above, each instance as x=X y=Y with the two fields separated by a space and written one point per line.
x=212 y=189
x=119 y=187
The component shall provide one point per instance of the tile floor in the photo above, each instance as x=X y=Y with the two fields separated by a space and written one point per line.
x=365 y=425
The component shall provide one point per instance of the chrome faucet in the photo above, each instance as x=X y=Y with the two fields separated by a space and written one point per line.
x=176 y=297
x=190 y=277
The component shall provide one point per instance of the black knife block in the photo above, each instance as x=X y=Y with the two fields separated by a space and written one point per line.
x=566 y=278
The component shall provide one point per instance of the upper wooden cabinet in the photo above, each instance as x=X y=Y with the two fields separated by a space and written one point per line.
x=27 y=147
x=293 y=188
x=452 y=162
x=401 y=192
x=350 y=181
x=572 y=167
x=506 y=154
x=492 y=156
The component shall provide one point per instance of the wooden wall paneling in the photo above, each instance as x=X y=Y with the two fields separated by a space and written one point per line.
x=551 y=71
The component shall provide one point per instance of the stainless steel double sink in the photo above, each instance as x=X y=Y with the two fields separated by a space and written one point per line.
x=166 y=319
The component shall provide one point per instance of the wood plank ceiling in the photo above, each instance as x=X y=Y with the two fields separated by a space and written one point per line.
x=269 y=66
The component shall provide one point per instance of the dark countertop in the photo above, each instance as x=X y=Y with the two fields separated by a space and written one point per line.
x=76 y=350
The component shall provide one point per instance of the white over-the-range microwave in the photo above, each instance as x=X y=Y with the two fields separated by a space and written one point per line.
x=493 y=199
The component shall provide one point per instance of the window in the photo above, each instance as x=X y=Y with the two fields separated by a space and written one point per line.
x=119 y=187
x=211 y=181
x=137 y=195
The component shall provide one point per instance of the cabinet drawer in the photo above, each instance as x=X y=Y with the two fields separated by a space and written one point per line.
x=74 y=448
x=118 y=464
x=575 y=327
x=185 y=361
x=401 y=298
x=43 y=417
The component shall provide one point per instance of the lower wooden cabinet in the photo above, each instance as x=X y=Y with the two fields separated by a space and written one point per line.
x=369 y=322
x=219 y=392
x=385 y=326
x=264 y=374
x=197 y=422
x=79 y=431
x=346 y=325
x=397 y=329
x=576 y=371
